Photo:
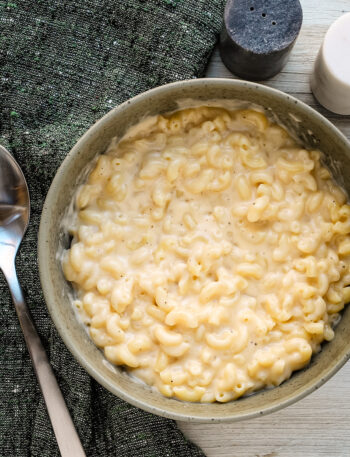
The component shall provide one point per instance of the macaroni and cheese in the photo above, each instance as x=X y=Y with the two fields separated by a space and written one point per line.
x=211 y=253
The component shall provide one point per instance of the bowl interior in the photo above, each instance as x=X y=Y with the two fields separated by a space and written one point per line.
x=311 y=127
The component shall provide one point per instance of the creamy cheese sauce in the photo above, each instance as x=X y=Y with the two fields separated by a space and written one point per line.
x=210 y=253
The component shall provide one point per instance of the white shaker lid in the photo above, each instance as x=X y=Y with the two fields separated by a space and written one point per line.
x=330 y=81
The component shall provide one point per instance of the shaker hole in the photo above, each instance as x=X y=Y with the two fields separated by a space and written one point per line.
x=273 y=23
x=263 y=14
x=252 y=8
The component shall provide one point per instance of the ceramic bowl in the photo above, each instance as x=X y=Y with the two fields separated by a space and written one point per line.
x=310 y=126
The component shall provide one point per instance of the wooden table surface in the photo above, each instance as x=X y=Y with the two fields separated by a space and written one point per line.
x=318 y=425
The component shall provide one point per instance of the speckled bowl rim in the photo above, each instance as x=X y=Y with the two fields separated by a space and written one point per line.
x=44 y=262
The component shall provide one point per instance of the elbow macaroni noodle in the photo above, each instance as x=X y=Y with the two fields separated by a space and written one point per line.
x=211 y=255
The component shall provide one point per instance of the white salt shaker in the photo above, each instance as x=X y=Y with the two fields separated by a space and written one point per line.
x=330 y=81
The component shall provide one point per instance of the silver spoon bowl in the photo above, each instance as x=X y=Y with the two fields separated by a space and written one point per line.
x=14 y=219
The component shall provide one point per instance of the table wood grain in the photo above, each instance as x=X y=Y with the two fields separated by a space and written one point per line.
x=318 y=425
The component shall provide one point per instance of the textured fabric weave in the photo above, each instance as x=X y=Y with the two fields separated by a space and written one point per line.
x=63 y=64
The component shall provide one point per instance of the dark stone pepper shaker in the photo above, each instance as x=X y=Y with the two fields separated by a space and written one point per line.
x=258 y=36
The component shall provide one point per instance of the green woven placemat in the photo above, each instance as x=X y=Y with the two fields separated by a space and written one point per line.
x=63 y=64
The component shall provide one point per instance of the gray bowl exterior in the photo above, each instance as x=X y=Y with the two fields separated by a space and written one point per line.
x=307 y=123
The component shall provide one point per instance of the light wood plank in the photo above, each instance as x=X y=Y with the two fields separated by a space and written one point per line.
x=319 y=425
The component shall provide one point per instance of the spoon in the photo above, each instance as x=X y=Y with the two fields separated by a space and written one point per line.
x=14 y=218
